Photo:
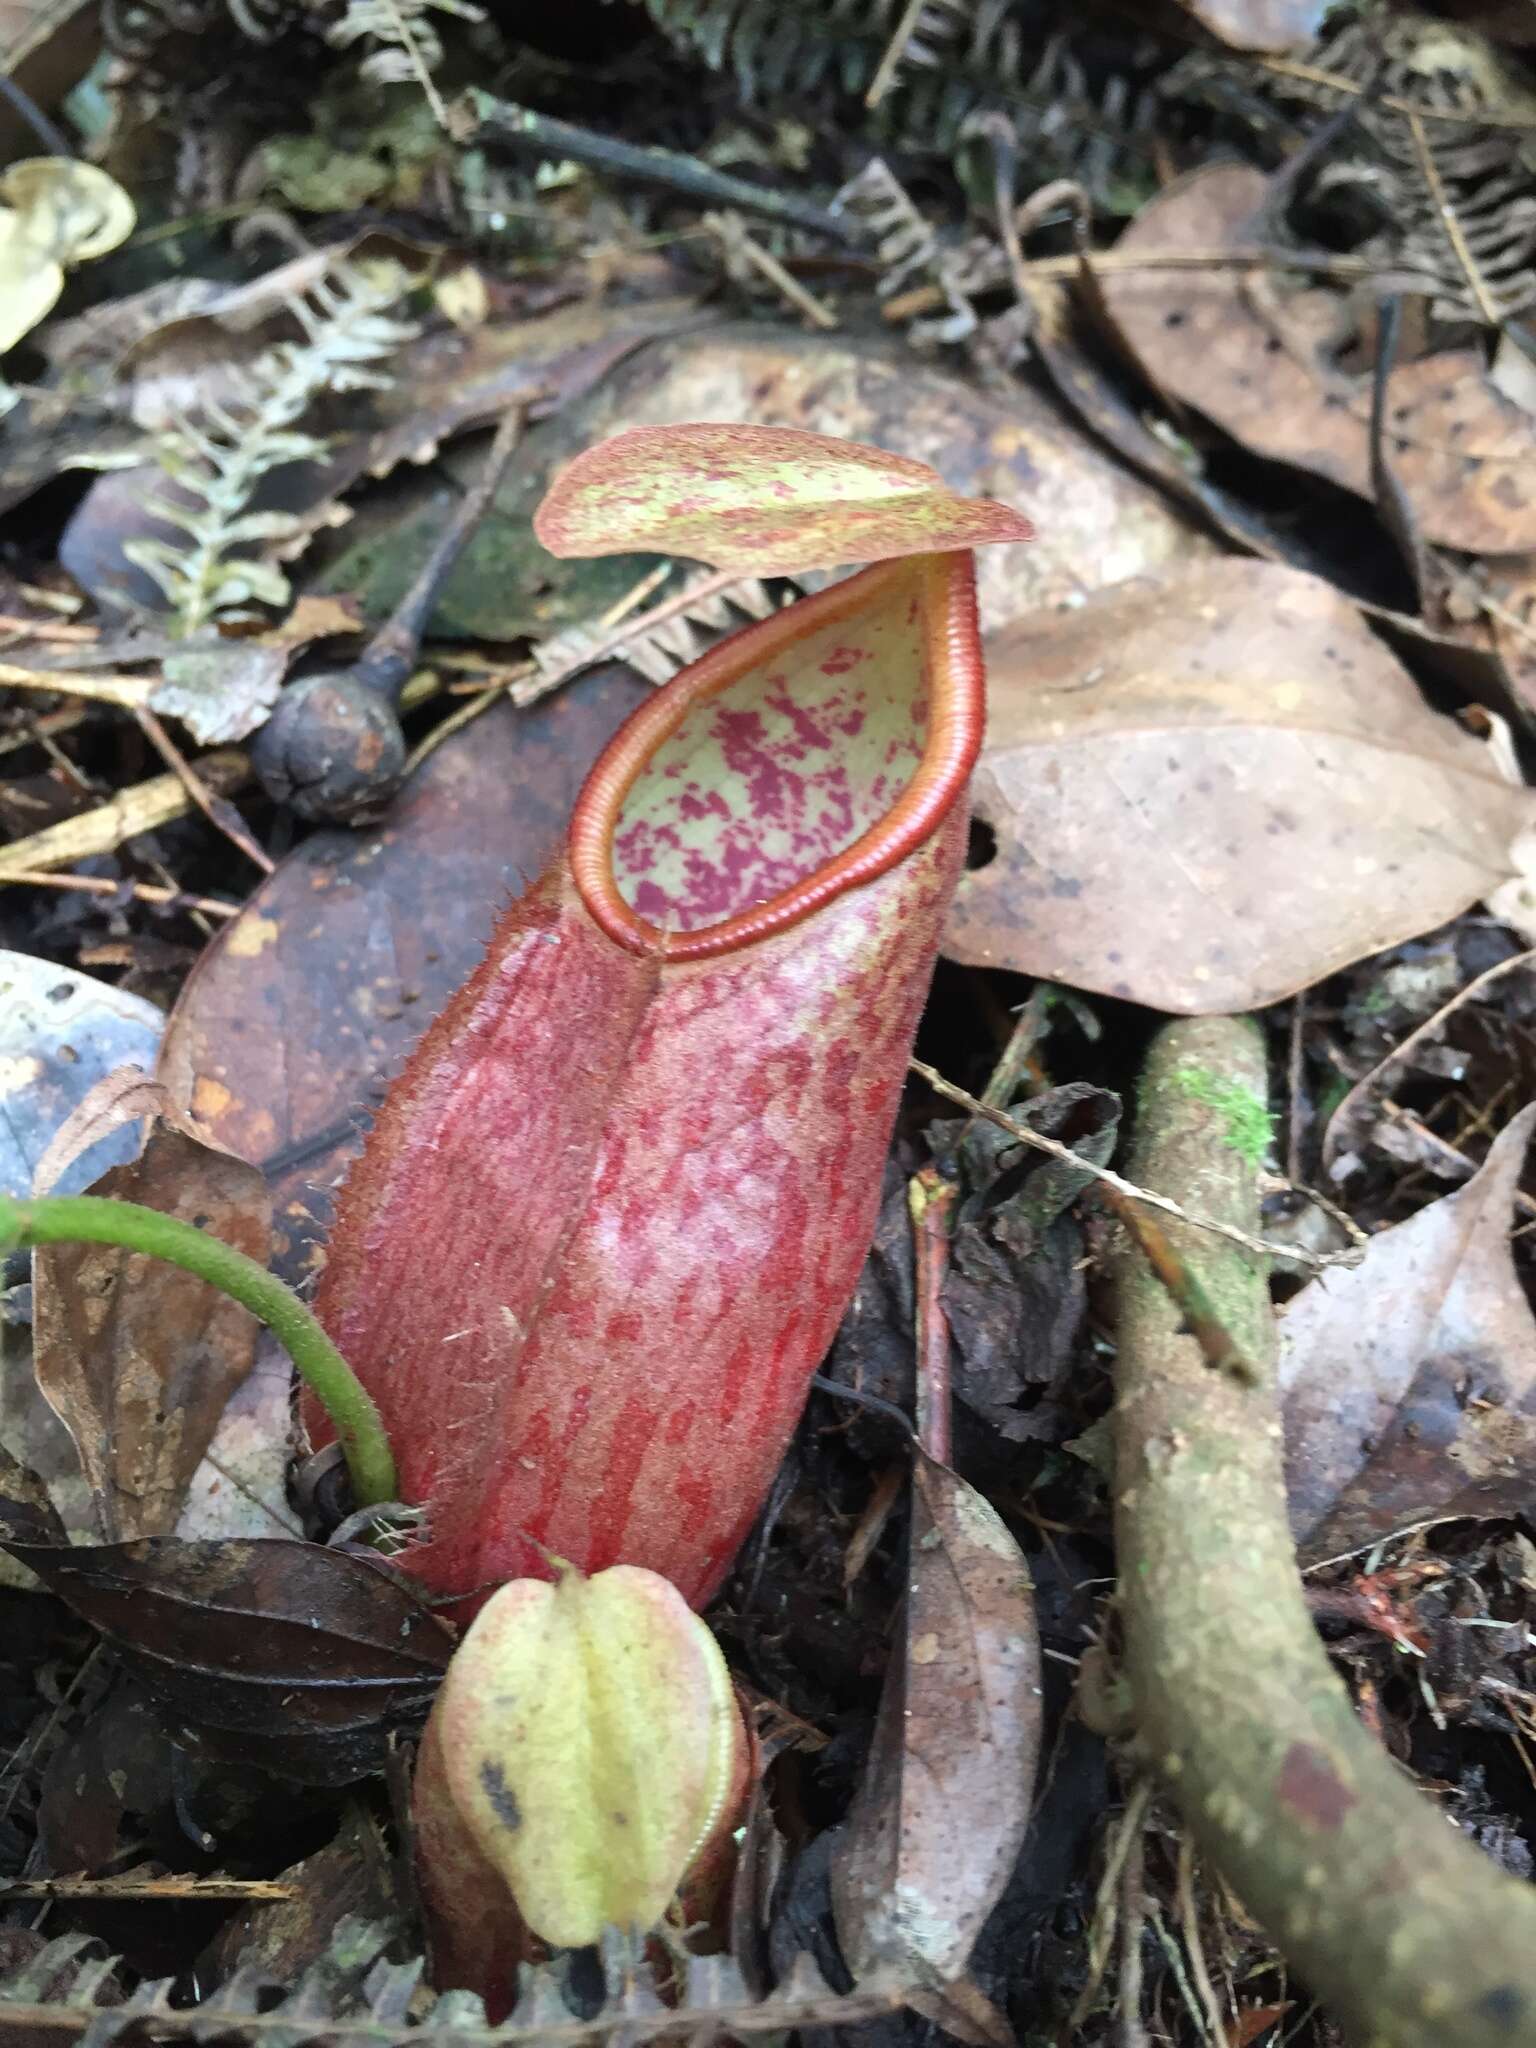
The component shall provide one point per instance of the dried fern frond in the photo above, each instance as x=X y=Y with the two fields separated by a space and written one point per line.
x=405 y=39
x=1082 y=102
x=217 y=459
x=694 y=620
x=353 y=1998
x=1441 y=150
x=909 y=248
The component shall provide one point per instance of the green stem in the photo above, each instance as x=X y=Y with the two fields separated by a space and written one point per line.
x=93 y=1219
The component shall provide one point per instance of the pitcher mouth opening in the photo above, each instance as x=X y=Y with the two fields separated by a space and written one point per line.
x=802 y=757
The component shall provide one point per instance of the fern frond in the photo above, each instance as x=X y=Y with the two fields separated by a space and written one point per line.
x=406 y=44
x=217 y=459
x=693 y=623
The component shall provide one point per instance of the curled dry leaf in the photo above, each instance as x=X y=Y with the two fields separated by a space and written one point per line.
x=1212 y=790
x=303 y=1006
x=221 y=1633
x=1408 y=1382
x=1224 y=340
x=137 y=1356
x=701 y=491
x=939 y=1819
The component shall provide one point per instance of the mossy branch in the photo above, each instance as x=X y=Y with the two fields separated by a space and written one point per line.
x=95 y=1219
x=1409 y=1935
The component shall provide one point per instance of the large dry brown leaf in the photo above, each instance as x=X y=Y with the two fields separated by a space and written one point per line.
x=1095 y=523
x=139 y=1357
x=1408 y=1383
x=1211 y=790
x=1223 y=340
x=303 y=1006
x=938 y=1821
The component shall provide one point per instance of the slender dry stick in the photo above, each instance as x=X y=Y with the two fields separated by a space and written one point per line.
x=219 y=812
x=1405 y=1930
x=895 y=50
x=1354 y=1103
x=620 y=636
x=1189 y=1922
x=1129 y=2031
x=127 y=692
x=142 y=808
x=48 y=629
x=931 y=1204
x=1315 y=74
x=1429 y=170
x=97 y=1219
x=1112 y=1183
x=142 y=892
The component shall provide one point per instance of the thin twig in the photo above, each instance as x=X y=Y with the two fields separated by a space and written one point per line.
x=466 y=714
x=129 y=693
x=143 y=808
x=931 y=1204
x=1314 y=74
x=1129 y=2031
x=895 y=50
x=202 y=1890
x=1067 y=269
x=1352 y=1107
x=54 y=141
x=1429 y=170
x=1119 y=1191
x=406 y=37
x=1106 y=1907
x=615 y=641
x=49 y=629
x=219 y=812
x=1194 y=1948
x=1295 y=1081
x=143 y=892
x=731 y=233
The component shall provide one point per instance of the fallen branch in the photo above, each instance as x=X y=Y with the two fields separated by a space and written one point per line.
x=1407 y=1933
x=144 y=808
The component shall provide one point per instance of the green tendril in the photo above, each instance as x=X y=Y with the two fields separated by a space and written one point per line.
x=93 y=1219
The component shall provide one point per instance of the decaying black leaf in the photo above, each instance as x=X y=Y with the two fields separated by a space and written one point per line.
x=287 y=1655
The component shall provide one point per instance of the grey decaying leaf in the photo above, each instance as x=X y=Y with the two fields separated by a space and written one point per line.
x=1408 y=1384
x=938 y=1821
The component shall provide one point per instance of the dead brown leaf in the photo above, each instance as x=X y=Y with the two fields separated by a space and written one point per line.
x=1260 y=362
x=1095 y=523
x=939 y=1818
x=303 y=1006
x=138 y=1357
x=1408 y=1383
x=1211 y=790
